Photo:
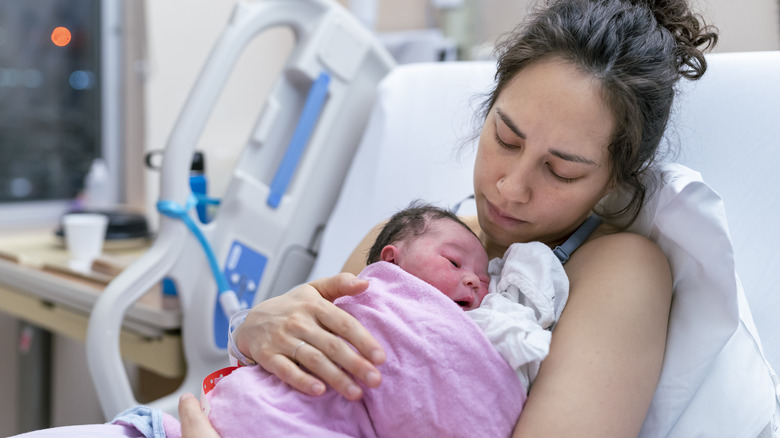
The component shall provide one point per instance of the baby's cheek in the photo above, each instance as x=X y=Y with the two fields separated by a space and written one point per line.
x=482 y=292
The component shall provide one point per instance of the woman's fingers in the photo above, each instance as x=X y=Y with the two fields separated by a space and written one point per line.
x=324 y=329
x=341 y=323
x=327 y=353
x=333 y=360
x=339 y=286
x=273 y=331
x=194 y=423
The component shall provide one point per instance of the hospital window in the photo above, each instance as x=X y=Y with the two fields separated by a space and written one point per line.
x=53 y=117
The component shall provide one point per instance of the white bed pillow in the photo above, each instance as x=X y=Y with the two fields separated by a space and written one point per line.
x=714 y=380
x=410 y=150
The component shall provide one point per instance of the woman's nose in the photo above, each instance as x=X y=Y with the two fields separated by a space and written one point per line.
x=516 y=186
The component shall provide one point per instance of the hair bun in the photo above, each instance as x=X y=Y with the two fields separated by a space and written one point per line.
x=693 y=35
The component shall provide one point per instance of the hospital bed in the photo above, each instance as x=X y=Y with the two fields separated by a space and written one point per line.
x=726 y=126
x=419 y=143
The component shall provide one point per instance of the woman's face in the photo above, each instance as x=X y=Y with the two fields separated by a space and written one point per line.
x=542 y=163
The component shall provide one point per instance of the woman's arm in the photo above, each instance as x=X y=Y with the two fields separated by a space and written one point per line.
x=607 y=349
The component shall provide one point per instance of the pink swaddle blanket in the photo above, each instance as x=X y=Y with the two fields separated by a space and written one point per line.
x=442 y=376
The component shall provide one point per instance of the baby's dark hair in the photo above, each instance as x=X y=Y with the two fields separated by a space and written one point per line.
x=409 y=223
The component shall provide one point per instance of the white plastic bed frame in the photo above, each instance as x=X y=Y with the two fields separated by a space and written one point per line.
x=266 y=233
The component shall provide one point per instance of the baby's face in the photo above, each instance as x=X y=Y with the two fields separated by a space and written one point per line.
x=451 y=259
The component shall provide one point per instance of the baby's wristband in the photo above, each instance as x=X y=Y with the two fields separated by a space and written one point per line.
x=236 y=357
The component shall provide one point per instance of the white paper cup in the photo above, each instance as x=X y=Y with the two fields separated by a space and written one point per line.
x=84 y=236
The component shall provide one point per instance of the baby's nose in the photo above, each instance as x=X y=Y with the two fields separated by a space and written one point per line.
x=471 y=280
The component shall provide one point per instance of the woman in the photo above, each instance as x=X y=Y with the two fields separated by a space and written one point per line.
x=582 y=98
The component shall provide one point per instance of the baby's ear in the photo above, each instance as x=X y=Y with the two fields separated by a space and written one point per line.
x=390 y=254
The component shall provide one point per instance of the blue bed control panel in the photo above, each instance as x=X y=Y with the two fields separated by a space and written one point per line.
x=243 y=269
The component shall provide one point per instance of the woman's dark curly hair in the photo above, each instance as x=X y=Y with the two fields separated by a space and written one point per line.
x=637 y=50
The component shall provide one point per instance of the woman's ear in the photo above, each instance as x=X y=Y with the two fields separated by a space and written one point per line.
x=390 y=254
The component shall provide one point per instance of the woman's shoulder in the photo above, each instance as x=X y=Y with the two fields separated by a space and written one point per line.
x=622 y=247
x=472 y=222
x=623 y=256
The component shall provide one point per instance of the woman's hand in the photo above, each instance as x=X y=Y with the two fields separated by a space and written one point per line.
x=194 y=423
x=303 y=327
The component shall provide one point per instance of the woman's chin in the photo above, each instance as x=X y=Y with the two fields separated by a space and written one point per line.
x=496 y=241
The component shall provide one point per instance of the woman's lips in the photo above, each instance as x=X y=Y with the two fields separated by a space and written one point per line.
x=498 y=217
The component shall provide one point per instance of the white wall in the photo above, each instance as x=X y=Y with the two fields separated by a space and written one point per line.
x=751 y=25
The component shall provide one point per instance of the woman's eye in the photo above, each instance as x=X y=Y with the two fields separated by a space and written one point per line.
x=564 y=179
x=504 y=144
x=559 y=177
